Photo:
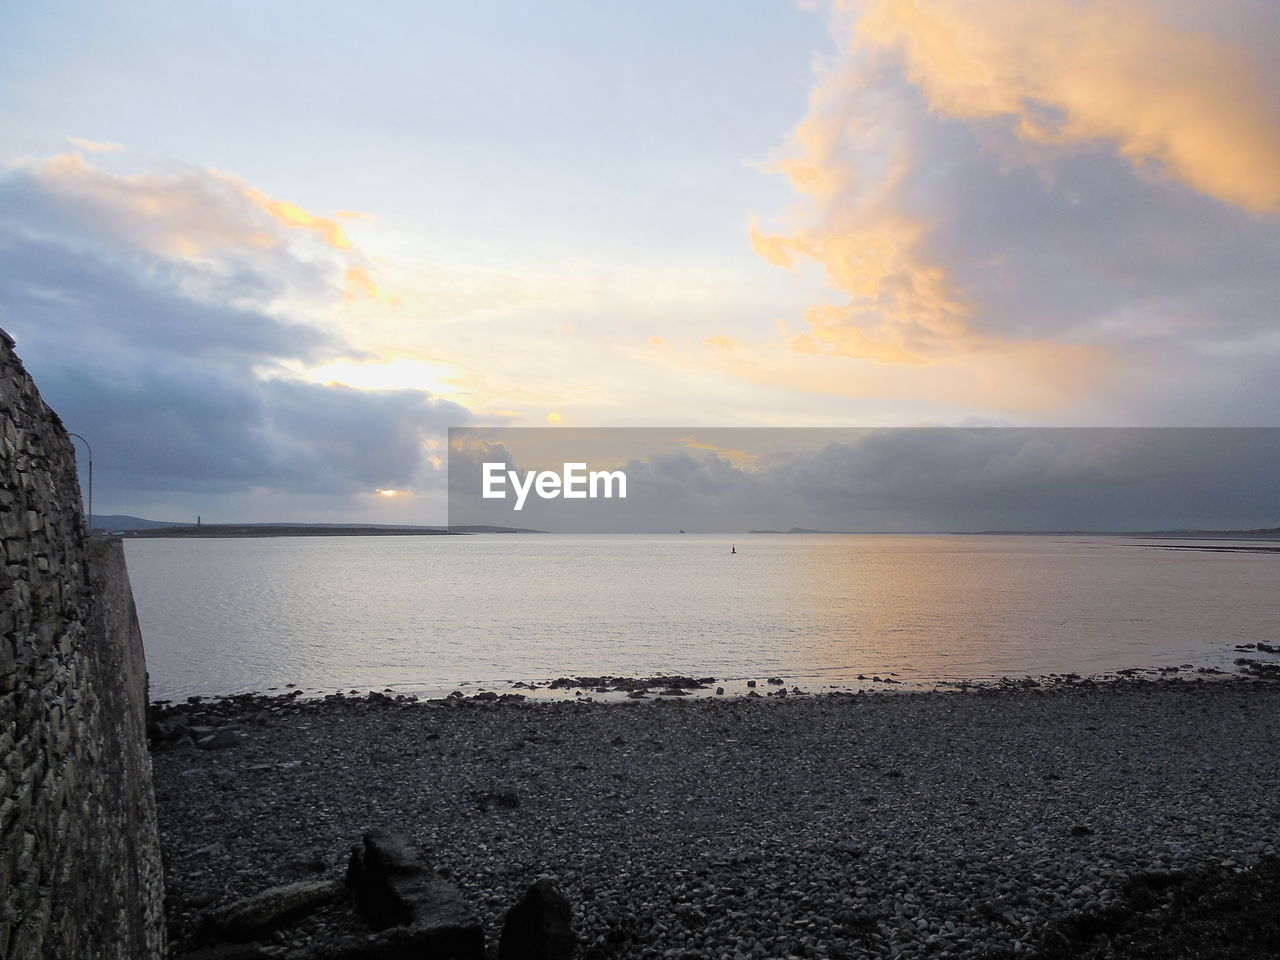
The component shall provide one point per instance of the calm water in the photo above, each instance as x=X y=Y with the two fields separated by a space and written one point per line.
x=426 y=614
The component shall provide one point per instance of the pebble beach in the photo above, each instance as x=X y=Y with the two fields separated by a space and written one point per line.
x=940 y=824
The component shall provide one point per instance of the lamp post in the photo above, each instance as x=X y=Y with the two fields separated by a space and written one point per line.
x=88 y=522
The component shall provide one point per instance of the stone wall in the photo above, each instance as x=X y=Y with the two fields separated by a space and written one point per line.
x=80 y=873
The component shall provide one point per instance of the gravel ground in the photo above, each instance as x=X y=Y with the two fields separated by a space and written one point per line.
x=876 y=825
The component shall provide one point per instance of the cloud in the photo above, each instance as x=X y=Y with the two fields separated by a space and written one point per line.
x=1026 y=379
x=359 y=285
x=853 y=157
x=197 y=427
x=205 y=219
x=164 y=315
x=95 y=146
x=742 y=459
x=69 y=298
x=292 y=215
x=1033 y=205
x=1178 y=101
x=187 y=213
x=893 y=480
x=805 y=344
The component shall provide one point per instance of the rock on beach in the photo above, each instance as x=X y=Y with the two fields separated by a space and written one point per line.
x=968 y=824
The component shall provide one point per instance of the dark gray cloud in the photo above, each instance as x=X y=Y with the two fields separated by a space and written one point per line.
x=172 y=425
x=1096 y=252
x=896 y=480
x=175 y=367
x=65 y=299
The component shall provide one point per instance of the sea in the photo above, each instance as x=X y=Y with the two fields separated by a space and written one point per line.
x=427 y=615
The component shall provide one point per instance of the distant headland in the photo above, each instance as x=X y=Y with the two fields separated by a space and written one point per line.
x=141 y=529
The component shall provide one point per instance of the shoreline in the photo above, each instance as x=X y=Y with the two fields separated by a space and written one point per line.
x=838 y=825
x=616 y=688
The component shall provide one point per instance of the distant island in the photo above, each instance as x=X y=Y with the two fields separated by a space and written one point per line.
x=217 y=530
x=138 y=528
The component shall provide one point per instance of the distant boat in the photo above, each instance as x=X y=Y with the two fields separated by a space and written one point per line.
x=682 y=531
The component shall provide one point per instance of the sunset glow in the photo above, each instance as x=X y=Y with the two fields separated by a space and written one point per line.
x=771 y=479
x=399 y=373
x=1039 y=213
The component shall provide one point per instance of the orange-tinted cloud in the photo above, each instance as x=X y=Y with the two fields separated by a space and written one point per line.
x=188 y=213
x=804 y=344
x=1119 y=77
x=1183 y=102
x=774 y=247
x=848 y=159
x=1028 y=378
x=739 y=458
x=898 y=309
x=358 y=284
x=292 y=215
x=177 y=215
x=211 y=219
x=95 y=146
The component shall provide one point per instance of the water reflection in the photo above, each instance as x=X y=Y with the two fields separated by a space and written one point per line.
x=429 y=613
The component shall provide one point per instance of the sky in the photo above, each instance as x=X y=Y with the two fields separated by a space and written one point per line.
x=731 y=480
x=263 y=255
